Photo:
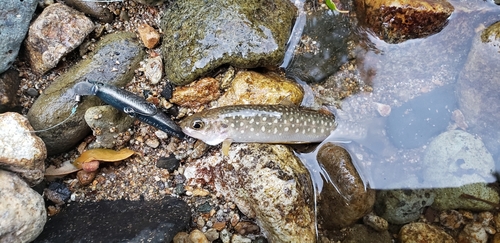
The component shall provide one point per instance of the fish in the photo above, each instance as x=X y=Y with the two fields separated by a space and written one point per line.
x=131 y=104
x=277 y=124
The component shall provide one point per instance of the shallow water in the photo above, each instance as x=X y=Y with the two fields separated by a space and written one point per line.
x=389 y=149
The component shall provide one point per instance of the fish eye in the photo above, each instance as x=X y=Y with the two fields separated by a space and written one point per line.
x=197 y=124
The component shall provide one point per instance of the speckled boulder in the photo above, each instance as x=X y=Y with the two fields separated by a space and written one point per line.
x=403 y=205
x=250 y=87
x=15 y=17
x=199 y=36
x=114 y=60
x=266 y=182
x=400 y=20
x=21 y=151
x=338 y=210
x=22 y=210
x=478 y=87
x=57 y=31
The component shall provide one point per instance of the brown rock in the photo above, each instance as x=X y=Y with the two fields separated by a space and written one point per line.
x=196 y=94
x=149 y=36
x=254 y=88
x=401 y=20
x=341 y=210
x=57 y=31
x=422 y=232
x=245 y=228
x=21 y=151
x=9 y=84
x=85 y=178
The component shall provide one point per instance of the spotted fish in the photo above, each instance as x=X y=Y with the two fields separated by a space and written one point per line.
x=259 y=124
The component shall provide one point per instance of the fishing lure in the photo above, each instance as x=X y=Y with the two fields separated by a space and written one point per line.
x=131 y=104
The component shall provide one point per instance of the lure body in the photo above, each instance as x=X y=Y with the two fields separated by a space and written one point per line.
x=131 y=104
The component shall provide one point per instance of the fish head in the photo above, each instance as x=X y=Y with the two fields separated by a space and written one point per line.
x=210 y=130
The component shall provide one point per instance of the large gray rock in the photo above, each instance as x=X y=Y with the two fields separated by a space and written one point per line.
x=114 y=60
x=200 y=36
x=58 y=30
x=22 y=210
x=15 y=17
x=266 y=182
x=21 y=151
x=478 y=87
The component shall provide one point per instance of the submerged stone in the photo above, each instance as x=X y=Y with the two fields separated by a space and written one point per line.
x=478 y=87
x=346 y=200
x=114 y=60
x=200 y=36
x=324 y=47
x=9 y=84
x=397 y=21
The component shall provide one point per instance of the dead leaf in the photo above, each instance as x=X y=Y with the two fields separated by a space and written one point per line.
x=66 y=168
x=103 y=155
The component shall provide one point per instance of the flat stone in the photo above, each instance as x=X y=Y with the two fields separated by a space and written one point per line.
x=22 y=210
x=199 y=36
x=57 y=31
x=9 y=84
x=118 y=221
x=21 y=151
x=400 y=20
x=266 y=182
x=114 y=60
x=96 y=10
x=15 y=18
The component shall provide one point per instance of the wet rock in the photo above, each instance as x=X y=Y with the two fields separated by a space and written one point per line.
x=418 y=120
x=200 y=36
x=197 y=236
x=149 y=36
x=473 y=233
x=456 y=158
x=197 y=93
x=118 y=221
x=404 y=205
x=235 y=238
x=471 y=197
x=57 y=192
x=477 y=87
x=170 y=163
x=250 y=87
x=324 y=47
x=114 y=60
x=94 y=9
x=85 y=178
x=9 y=84
x=245 y=228
x=422 y=232
x=15 y=18
x=21 y=151
x=106 y=123
x=22 y=210
x=362 y=233
x=375 y=222
x=150 y=2
x=57 y=31
x=398 y=21
x=266 y=182
x=354 y=201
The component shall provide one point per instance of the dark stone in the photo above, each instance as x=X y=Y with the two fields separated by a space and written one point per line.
x=362 y=233
x=167 y=91
x=418 y=120
x=200 y=36
x=57 y=192
x=32 y=92
x=15 y=17
x=55 y=104
x=331 y=34
x=9 y=84
x=346 y=200
x=170 y=163
x=118 y=221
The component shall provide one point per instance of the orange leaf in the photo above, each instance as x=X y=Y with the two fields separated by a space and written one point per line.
x=105 y=155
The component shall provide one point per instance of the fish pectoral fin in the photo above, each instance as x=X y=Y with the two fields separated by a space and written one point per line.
x=225 y=146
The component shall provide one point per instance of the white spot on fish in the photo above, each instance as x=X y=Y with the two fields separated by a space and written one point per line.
x=251 y=129
x=275 y=130
x=264 y=118
x=286 y=129
x=251 y=121
x=242 y=131
x=314 y=130
x=241 y=124
x=232 y=124
x=297 y=130
x=263 y=128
